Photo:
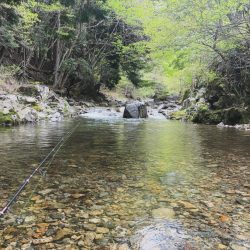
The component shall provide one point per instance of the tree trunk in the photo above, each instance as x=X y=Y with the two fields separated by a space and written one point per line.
x=58 y=53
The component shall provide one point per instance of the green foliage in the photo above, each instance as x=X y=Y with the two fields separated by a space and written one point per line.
x=161 y=92
x=11 y=1
x=145 y=92
x=82 y=44
x=8 y=19
x=37 y=108
x=134 y=59
x=9 y=70
x=7 y=119
x=179 y=115
x=194 y=41
x=27 y=22
x=71 y=44
x=125 y=88
x=207 y=116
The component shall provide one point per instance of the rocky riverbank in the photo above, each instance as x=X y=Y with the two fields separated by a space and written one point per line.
x=206 y=106
x=33 y=103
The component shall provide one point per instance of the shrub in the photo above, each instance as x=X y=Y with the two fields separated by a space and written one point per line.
x=161 y=92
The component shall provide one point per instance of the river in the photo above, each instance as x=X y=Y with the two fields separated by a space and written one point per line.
x=119 y=184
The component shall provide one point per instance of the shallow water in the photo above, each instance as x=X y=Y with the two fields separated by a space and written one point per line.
x=110 y=176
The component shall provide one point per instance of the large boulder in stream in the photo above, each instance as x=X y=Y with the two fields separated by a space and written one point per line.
x=135 y=110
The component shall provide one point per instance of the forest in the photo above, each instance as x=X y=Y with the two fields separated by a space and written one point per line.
x=69 y=44
x=198 y=50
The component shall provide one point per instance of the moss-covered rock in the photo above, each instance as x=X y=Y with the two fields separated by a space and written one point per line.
x=37 y=107
x=8 y=119
x=212 y=105
x=231 y=116
x=200 y=113
x=207 y=116
x=178 y=115
x=235 y=115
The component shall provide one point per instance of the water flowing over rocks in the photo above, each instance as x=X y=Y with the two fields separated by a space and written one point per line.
x=168 y=108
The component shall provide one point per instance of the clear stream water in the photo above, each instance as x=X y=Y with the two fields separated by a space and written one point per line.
x=108 y=179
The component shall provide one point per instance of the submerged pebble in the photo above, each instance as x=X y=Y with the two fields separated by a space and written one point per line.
x=154 y=193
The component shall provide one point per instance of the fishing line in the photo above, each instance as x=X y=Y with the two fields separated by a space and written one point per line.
x=43 y=171
x=20 y=219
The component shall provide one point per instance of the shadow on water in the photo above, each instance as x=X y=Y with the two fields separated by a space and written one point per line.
x=109 y=180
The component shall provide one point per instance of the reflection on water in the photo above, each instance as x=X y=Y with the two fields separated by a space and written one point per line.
x=22 y=148
x=113 y=173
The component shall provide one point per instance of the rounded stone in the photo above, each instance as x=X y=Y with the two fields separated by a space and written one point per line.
x=163 y=213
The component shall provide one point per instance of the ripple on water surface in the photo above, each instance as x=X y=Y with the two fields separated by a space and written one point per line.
x=112 y=174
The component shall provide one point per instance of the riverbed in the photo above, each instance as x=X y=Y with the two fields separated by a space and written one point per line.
x=126 y=184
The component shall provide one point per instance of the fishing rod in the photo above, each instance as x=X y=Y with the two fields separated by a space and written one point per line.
x=51 y=154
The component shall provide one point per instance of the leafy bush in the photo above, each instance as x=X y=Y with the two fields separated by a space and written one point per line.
x=9 y=71
x=145 y=92
x=161 y=91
